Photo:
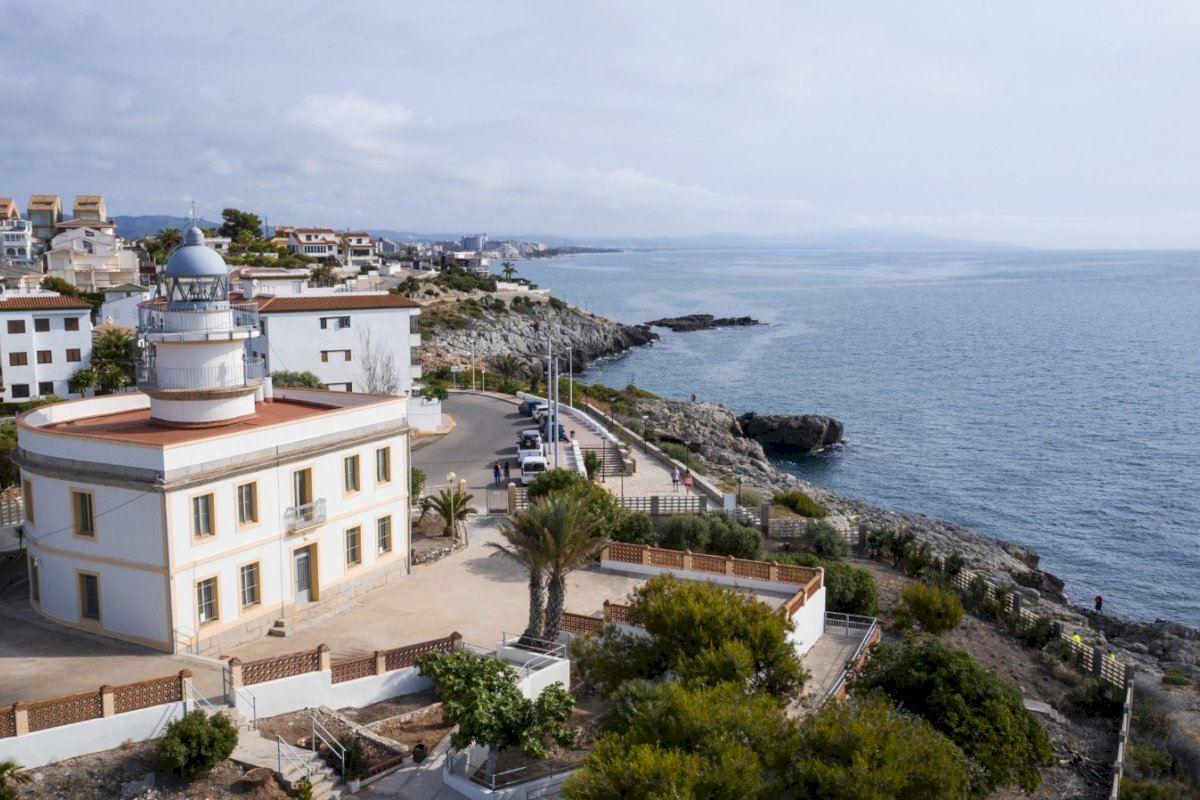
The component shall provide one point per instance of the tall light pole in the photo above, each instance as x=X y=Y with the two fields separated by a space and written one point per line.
x=453 y=502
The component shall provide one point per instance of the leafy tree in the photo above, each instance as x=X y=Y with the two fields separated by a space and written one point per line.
x=637 y=529
x=113 y=354
x=9 y=474
x=434 y=389
x=451 y=506
x=416 y=481
x=866 y=750
x=616 y=771
x=53 y=283
x=236 y=222
x=936 y=611
x=192 y=745
x=729 y=744
x=824 y=539
x=710 y=534
x=507 y=366
x=11 y=777
x=850 y=589
x=323 y=274
x=971 y=705
x=300 y=380
x=480 y=695
x=708 y=632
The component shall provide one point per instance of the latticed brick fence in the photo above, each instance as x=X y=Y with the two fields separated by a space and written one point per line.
x=516 y=498
x=263 y=670
x=21 y=718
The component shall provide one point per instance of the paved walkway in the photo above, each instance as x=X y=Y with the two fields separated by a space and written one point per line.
x=478 y=592
x=417 y=782
x=826 y=660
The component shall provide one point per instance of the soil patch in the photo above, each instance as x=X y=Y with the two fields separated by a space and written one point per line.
x=393 y=707
x=296 y=729
x=101 y=776
x=421 y=727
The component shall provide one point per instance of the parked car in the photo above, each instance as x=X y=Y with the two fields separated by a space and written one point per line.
x=548 y=436
x=529 y=445
x=540 y=410
x=526 y=408
x=532 y=467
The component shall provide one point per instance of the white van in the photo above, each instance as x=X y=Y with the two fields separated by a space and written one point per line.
x=532 y=467
x=540 y=411
x=529 y=445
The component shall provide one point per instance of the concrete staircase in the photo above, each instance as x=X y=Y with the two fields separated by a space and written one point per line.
x=256 y=750
x=610 y=457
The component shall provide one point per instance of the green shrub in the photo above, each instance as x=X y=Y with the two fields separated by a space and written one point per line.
x=1176 y=677
x=637 y=529
x=749 y=498
x=303 y=790
x=934 y=610
x=192 y=745
x=285 y=378
x=953 y=564
x=685 y=532
x=824 y=539
x=848 y=589
x=592 y=463
x=1096 y=698
x=800 y=503
x=1145 y=790
x=710 y=533
x=1038 y=633
x=1149 y=762
x=919 y=562
x=971 y=705
x=878 y=541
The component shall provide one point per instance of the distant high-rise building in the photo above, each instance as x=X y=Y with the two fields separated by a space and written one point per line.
x=475 y=242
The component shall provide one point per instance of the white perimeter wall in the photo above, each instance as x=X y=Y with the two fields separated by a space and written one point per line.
x=92 y=736
x=809 y=622
x=314 y=689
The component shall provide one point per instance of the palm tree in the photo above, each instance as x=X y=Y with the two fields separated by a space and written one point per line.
x=508 y=269
x=525 y=540
x=572 y=536
x=450 y=506
x=11 y=777
x=112 y=351
x=507 y=366
x=168 y=239
x=81 y=382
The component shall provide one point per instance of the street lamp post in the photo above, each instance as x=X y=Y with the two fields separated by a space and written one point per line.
x=645 y=422
x=453 y=502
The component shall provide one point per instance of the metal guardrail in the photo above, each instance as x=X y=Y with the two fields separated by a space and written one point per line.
x=319 y=731
x=190 y=689
x=298 y=518
x=851 y=623
x=228 y=683
x=284 y=750
x=193 y=645
x=250 y=372
x=156 y=317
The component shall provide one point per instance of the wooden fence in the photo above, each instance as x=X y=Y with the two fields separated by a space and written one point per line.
x=21 y=718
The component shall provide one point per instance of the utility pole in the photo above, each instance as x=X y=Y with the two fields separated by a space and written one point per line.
x=571 y=378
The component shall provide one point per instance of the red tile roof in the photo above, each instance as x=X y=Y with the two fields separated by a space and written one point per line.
x=39 y=302
x=332 y=302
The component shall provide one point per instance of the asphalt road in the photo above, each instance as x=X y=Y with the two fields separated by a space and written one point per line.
x=485 y=431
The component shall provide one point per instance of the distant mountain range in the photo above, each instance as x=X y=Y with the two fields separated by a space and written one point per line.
x=137 y=227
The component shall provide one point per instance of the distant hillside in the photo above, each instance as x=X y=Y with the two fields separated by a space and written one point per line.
x=137 y=227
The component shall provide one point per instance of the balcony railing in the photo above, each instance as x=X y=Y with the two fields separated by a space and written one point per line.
x=251 y=372
x=309 y=515
x=155 y=317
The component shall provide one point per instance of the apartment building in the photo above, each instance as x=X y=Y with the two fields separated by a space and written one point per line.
x=44 y=212
x=44 y=339
x=91 y=258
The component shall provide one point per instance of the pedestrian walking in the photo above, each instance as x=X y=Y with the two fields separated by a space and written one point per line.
x=496 y=471
x=687 y=480
x=506 y=471
x=1099 y=603
x=675 y=479
x=693 y=397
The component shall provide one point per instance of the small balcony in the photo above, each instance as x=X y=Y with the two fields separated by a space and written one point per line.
x=251 y=372
x=301 y=518
x=165 y=324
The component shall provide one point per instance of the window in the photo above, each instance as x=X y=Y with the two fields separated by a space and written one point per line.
x=414 y=324
x=383 y=528
x=41 y=324
x=73 y=355
x=248 y=581
x=27 y=499
x=334 y=322
x=35 y=581
x=414 y=356
x=71 y=324
x=89 y=596
x=247 y=499
x=18 y=359
x=354 y=546
x=383 y=465
x=20 y=390
x=202 y=515
x=350 y=473
x=334 y=355
x=302 y=487
x=45 y=357
x=83 y=513
x=206 y=600
x=16 y=326
x=45 y=387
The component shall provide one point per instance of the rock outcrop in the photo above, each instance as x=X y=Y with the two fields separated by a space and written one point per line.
x=700 y=322
x=792 y=433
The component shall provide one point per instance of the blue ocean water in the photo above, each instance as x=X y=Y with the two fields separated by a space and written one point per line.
x=1050 y=398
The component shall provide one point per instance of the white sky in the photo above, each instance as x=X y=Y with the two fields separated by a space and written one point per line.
x=1041 y=123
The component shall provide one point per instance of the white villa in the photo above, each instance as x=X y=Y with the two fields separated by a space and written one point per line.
x=44 y=339
x=208 y=507
x=353 y=250
x=91 y=258
x=16 y=241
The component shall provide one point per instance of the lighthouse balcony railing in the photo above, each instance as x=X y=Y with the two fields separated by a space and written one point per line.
x=225 y=376
x=156 y=317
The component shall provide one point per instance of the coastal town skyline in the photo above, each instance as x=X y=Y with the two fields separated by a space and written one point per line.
x=1035 y=127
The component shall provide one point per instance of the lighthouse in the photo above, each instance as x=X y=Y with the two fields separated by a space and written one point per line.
x=195 y=368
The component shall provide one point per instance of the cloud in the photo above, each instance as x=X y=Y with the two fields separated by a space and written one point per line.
x=361 y=124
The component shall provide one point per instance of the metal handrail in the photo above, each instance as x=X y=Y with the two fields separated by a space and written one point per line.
x=227 y=683
x=154 y=316
x=249 y=372
x=552 y=649
x=305 y=516
x=188 y=687
x=852 y=660
x=336 y=747
x=284 y=750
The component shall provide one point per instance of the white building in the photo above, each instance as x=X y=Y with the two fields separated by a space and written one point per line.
x=352 y=250
x=121 y=304
x=91 y=259
x=44 y=339
x=201 y=510
x=475 y=243
x=44 y=212
x=16 y=241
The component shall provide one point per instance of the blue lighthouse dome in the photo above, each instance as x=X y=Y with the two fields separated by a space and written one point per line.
x=193 y=259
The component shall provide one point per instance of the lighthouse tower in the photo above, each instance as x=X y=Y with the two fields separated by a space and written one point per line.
x=196 y=370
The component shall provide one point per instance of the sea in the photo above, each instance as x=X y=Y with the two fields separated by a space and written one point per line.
x=1050 y=398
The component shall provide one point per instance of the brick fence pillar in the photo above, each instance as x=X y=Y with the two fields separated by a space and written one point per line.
x=380 y=662
x=607 y=611
x=774 y=573
x=107 y=703
x=20 y=718
x=728 y=565
x=512 y=498
x=455 y=640
x=687 y=559
x=235 y=671
x=324 y=660
x=604 y=553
